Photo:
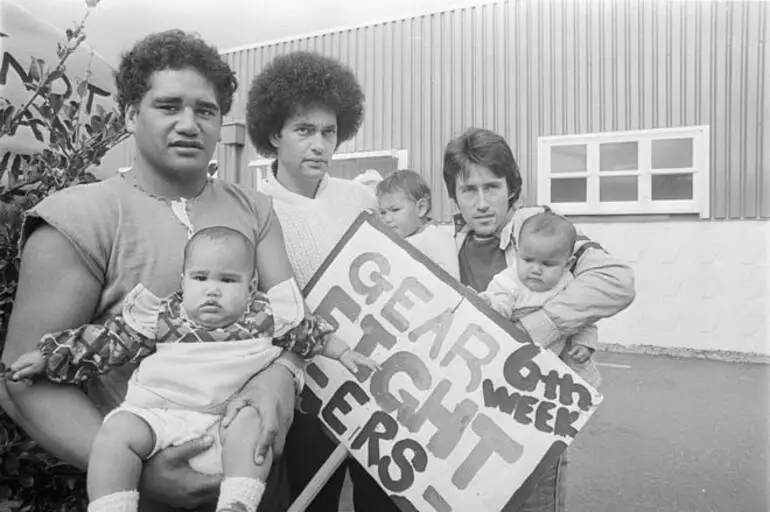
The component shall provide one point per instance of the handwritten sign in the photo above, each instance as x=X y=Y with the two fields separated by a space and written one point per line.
x=466 y=412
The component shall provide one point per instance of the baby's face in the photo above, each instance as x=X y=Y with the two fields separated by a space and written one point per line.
x=540 y=261
x=400 y=213
x=215 y=285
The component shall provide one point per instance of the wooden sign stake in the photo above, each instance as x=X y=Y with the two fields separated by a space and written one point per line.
x=323 y=475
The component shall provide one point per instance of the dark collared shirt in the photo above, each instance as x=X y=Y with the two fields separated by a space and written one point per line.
x=480 y=260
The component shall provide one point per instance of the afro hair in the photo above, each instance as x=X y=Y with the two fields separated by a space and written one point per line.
x=172 y=49
x=299 y=80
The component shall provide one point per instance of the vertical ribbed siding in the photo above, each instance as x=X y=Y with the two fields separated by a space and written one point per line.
x=529 y=69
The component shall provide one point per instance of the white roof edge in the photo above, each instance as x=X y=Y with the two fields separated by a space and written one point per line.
x=326 y=32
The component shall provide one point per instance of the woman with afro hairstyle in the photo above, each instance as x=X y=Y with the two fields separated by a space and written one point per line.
x=301 y=107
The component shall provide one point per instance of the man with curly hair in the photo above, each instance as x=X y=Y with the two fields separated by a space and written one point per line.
x=301 y=107
x=85 y=248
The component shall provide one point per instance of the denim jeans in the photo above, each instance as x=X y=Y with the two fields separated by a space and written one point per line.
x=549 y=493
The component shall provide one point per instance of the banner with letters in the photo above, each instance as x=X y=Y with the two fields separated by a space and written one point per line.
x=466 y=411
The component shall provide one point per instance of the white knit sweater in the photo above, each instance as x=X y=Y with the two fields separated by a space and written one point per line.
x=311 y=227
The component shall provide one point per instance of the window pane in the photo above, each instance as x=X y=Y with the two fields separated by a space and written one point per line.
x=346 y=169
x=384 y=164
x=618 y=188
x=349 y=168
x=672 y=187
x=672 y=153
x=568 y=158
x=619 y=156
x=568 y=190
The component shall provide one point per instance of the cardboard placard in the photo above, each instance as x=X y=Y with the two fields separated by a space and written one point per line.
x=466 y=411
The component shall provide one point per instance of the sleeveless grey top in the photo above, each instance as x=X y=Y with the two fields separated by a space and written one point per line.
x=127 y=236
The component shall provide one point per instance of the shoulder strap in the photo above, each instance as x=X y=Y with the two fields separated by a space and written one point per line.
x=579 y=253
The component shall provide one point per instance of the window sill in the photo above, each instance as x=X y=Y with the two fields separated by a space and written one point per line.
x=627 y=217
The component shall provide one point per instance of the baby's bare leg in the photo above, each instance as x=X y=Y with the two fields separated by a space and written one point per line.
x=244 y=481
x=122 y=444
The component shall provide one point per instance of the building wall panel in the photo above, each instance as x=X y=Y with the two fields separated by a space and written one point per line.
x=530 y=69
x=699 y=285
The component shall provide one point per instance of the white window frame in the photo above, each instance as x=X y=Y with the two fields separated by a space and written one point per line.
x=645 y=204
x=401 y=155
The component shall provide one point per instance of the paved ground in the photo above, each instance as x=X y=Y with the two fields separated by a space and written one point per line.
x=673 y=435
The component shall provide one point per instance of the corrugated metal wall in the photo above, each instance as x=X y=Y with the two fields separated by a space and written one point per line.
x=535 y=68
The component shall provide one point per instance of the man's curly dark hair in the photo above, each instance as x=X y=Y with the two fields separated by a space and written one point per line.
x=172 y=49
x=299 y=80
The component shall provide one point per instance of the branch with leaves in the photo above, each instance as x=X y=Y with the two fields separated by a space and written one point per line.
x=11 y=117
x=74 y=141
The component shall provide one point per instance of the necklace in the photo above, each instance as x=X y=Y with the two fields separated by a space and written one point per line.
x=179 y=206
x=130 y=178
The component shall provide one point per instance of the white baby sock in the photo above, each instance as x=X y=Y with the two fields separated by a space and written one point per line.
x=240 y=494
x=123 y=501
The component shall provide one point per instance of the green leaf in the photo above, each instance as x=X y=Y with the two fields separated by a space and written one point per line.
x=55 y=74
x=16 y=166
x=34 y=69
x=28 y=444
x=12 y=464
x=70 y=481
x=48 y=156
x=36 y=132
x=6 y=115
x=56 y=101
x=61 y=50
x=41 y=66
x=97 y=124
x=10 y=126
x=81 y=88
x=53 y=140
x=44 y=110
x=10 y=506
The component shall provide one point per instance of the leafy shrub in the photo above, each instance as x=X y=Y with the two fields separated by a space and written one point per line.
x=30 y=478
